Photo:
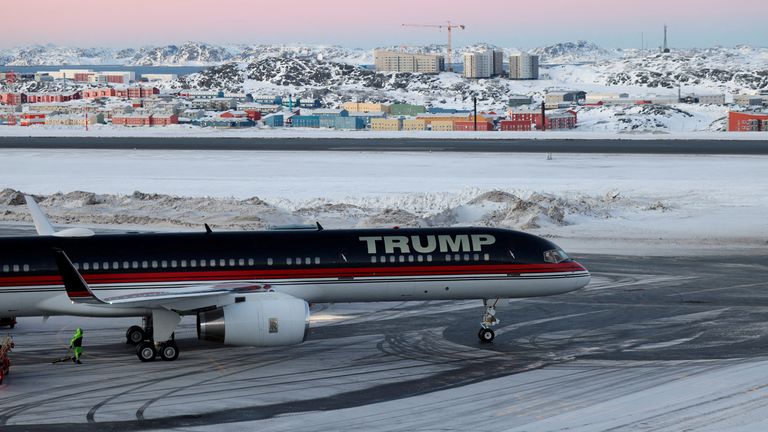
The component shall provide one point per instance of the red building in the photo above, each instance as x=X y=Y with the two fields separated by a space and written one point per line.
x=93 y=93
x=482 y=125
x=8 y=119
x=253 y=114
x=136 y=92
x=53 y=97
x=234 y=114
x=29 y=119
x=163 y=119
x=13 y=98
x=530 y=120
x=132 y=119
x=747 y=122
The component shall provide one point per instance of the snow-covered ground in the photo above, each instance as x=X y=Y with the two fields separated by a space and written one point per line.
x=596 y=127
x=647 y=204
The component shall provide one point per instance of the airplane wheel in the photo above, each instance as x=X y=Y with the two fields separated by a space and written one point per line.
x=135 y=335
x=169 y=351
x=146 y=351
x=486 y=335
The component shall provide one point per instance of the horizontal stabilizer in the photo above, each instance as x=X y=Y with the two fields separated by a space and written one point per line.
x=77 y=289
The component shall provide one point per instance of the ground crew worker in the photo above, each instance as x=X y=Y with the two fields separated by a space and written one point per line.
x=76 y=343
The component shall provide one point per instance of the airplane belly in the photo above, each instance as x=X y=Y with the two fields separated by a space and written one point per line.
x=434 y=288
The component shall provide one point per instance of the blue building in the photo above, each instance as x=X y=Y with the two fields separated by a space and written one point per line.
x=274 y=120
x=437 y=110
x=349 y=123
x=308 y=121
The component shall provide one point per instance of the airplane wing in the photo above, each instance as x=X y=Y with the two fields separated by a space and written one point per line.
x=79 y=291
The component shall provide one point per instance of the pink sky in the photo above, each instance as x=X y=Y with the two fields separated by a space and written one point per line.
x=364 y=23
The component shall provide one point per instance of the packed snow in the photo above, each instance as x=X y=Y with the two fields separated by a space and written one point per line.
x=598 y=203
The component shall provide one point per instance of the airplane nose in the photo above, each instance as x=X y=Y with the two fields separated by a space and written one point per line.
x=582 y=281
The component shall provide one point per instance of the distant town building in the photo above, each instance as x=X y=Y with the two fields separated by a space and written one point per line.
x=554 y=99
x=712 y=99
x=13 y=98
x=75 y=119
x=498 y=63
x=482 y=125
x=387 y=124
x=35 y=97
x=748 y=100
x=159 y=77
x=414 y=125
x=273 y=120
x=523 y=67
x=478 y=64
x=100 y=92
x=532 y=120
x=442 y=125
x=31 y=119
x=366 y=107
x=392 y=61
x=518 y=100
x=406 y=110
x=747 y=122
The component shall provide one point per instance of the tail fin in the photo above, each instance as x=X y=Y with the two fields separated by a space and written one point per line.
x=44 y=227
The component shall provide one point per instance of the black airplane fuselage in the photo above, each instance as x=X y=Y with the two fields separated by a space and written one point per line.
x=314 y=265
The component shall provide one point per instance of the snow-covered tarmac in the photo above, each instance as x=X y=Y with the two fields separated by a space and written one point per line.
x=663 y=344
x=656 y=342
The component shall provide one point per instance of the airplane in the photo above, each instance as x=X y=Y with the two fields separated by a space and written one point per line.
x=254 y=288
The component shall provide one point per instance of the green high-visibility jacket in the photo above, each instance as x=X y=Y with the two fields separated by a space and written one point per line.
x=77 y=339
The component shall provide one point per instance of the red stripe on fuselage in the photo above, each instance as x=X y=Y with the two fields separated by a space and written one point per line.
x=307 y=273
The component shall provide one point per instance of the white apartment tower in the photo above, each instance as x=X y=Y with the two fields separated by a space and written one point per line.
x=478 y=64
x=392 y=61
x=498 y=63
x=523 y=66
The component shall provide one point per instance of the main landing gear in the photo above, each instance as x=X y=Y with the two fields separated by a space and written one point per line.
x=161 y=324
x=486 y=334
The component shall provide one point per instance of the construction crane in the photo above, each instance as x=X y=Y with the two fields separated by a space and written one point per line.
x=447 y=26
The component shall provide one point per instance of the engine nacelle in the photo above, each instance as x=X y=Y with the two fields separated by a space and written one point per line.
x=264 y=319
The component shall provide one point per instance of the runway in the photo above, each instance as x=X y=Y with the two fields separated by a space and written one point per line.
x=564 y=145
x=652 y=343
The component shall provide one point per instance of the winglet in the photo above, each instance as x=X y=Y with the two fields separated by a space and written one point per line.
x=77 y=288
x=208 y=229
x=44 y=227
x=42 y=224
x=319 y=227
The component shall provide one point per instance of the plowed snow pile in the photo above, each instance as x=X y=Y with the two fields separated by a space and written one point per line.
x=520 y=210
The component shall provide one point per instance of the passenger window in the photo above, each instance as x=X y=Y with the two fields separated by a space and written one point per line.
x=420 y=258
x=164 y=264
x=145 y=264
x=212 y=263
x=392 y=259
x=457 y=257
x=448 y=258
x=373 y=259
x=410 y=258
x=270 y=261
x=429 y=258
x=135 y=264
x=476 y=257
x=307 y=260
x=126 y=265
x=6 y=268
x=289 y=261
x=25 y=268
x=95 y=266
x=241 y=262
x=154 y=264
x=222 y=262
x=401 y=258
x=382 y=259
x=317 y=260
x=298 y=261
x=486 y=257
x=16 y=267
x=231 y=262
x=86 y=266
x=174 y=263
x=115 y=265
x=203 y=263
x=193 y=263
x=105 y=265
x=251 y=262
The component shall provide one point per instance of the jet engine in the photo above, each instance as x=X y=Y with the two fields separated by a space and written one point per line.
x=264 y=319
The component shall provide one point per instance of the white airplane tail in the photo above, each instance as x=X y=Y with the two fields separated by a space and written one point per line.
x=44 y=227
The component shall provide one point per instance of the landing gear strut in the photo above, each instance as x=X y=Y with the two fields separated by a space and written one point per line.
x=486 y=334
x=136 y=335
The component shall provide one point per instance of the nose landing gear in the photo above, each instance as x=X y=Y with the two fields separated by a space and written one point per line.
x=486 y=334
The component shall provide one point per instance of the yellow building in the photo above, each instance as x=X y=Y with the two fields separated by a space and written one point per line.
x=431 y=118
x=384 y=124
x=442 y=125
x=414 y=125
x=74 y=120
x=366 y=107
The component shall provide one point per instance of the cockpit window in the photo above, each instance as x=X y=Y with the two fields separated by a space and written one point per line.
x=555 y=256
